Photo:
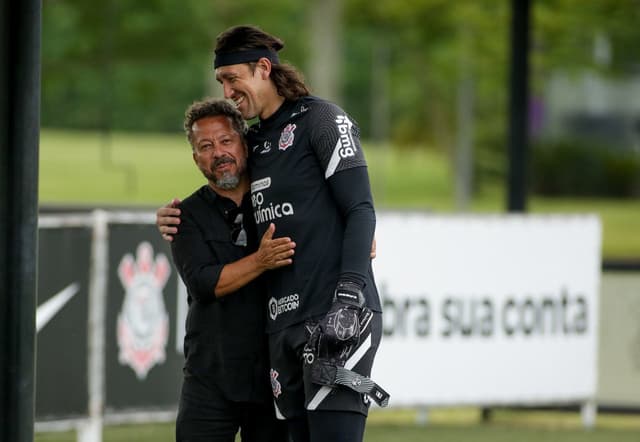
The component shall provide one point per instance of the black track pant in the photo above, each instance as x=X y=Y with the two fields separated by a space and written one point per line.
x=205 y=415
x=327 y=426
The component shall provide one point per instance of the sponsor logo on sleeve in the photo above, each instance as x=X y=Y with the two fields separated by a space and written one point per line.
x=345 y=146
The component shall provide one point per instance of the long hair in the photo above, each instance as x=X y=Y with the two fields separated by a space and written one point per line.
x=288 y=81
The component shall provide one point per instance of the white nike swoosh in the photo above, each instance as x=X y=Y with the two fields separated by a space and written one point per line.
x=50 y=307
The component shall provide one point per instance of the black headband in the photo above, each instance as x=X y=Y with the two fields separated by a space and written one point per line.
x=227 y=58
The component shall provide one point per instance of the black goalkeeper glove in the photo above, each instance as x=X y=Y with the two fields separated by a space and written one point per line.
x=341 y=325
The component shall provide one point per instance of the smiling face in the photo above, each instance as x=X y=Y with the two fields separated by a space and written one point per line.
x=242 y=85
x=220 y=153
x=250 y=87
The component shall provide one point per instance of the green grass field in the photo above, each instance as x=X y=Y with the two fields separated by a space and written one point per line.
x=445 y=425
x=88 y=168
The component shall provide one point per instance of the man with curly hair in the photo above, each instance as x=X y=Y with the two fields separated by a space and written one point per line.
x=216 y=254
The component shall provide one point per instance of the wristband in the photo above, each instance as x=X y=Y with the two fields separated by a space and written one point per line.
x=348 y=292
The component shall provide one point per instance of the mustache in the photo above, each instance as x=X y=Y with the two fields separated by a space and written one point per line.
x=223 y=160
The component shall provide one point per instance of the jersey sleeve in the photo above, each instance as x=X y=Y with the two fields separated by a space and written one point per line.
x=335 y=138
x=352 y=194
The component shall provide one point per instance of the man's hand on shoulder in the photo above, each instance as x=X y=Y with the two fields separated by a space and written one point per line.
x=167 y=219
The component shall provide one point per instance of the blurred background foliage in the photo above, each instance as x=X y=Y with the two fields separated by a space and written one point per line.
x=404 y=69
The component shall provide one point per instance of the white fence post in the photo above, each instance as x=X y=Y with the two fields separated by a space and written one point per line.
x=91 y=431
x=588 y=412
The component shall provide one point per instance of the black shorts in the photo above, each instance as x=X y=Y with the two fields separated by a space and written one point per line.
x=293 y=391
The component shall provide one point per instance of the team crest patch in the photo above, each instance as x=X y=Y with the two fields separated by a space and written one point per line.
x=143 y=322
x=275 y=385
x=286 y=137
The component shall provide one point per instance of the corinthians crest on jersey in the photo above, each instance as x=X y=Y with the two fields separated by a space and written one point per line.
x=286 y=137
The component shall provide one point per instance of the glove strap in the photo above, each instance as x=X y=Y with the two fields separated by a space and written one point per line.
x=350 y=293
x=325 y=373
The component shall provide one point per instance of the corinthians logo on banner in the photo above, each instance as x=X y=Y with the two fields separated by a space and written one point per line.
x=143 y=322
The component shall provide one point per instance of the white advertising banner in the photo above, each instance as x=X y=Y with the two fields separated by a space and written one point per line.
x=488 y=310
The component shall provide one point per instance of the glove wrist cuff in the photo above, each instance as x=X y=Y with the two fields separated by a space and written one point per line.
x=349 y=293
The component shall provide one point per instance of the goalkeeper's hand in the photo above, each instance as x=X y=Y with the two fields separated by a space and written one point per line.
x=341 y=324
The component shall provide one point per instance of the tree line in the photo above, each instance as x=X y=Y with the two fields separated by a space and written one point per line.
x=402 y=68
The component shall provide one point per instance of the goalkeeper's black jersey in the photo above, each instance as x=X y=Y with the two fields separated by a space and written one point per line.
x=308 y=177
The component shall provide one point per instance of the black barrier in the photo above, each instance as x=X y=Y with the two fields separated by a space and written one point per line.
x=143 y=368
x=63 y=282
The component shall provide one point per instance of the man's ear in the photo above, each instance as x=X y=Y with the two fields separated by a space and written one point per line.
x=193 y=155
x=263 y=65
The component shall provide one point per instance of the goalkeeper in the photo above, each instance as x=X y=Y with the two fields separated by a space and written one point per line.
x=308 y=177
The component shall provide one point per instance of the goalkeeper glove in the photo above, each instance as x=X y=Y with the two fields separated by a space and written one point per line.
x=342 y=322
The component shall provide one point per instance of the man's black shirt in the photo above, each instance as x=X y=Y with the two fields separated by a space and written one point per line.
x=225 y=341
